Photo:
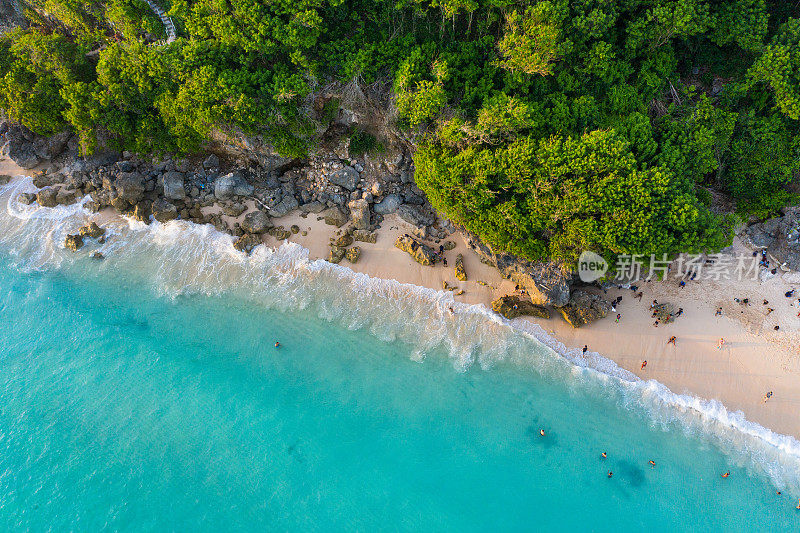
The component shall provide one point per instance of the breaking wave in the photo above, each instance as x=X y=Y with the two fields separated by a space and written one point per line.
x=184 y=258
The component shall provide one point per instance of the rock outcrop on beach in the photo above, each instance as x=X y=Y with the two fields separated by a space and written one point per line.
x=780 y=237
x=422 y=254
x=461 y=274
x=163 y=211
x=513 y=307
x=247 y=242
x=584 y=308
x=256 y=222
x=546 y=282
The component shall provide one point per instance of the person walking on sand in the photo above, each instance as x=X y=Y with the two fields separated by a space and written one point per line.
x=585 y=348
x=618 y=317
x=672 y=340
x=719 y=312
x=721 y=343
x=644 y=364
x=767 y=396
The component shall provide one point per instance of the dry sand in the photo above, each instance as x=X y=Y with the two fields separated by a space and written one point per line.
x=755 y=359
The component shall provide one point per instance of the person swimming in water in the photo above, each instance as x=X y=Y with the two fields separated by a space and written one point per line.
x=726 y=474
x=652 y=463
x=277 y=344
x=541 y=432
x=604 y=455
x=610 y=473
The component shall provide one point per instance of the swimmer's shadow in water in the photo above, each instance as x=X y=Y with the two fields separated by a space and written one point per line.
x=548 y=441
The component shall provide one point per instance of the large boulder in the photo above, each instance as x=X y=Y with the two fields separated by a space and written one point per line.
x=513 y=306
x=173 y=186
x=163 y=211
x=417 y=215
x=47 y=197
x=287 y=204
x=256 y=222
x=48 y=147
x=546 y=282
x=346 y=177
x=584 y=308
x=130 y=187
x=335 y=217
x=232 y=184
x=388 y=205
x=422 y=254
x=359 y=214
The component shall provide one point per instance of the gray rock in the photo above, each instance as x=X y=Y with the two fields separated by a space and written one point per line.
x=284 y=207
x=584 y=308
x=173 y=186
x=346 y=177
x=313 y=207
x=422 y=254
x=163 y=211
x=27 y=198
x=232 y=184
x=359 y=214
x=388 y=205
x=73 y=242
x=256 y=222
x=130 y=187
x=417 y=215
x=211 y=162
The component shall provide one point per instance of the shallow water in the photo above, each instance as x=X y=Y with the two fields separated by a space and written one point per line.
x=144 y=393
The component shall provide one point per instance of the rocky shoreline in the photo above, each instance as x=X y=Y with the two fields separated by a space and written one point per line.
x=241 y=191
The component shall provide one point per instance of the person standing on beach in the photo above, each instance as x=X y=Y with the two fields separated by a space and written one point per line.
x=644 y=364
x=767 y=396
x=585 y=348
x=672 y=340
x=721 y=343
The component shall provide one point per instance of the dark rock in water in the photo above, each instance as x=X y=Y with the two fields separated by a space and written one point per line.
x=352 y=254
x=247 y=242
x=232 y=184
x=256 y=222
x=120 y=204
x=335 y=217
x=65 y=197
x=359 y=214
x=97 y=255
x=41 y=180
x=346 y=177
x=422 y=254
x=47 y=197
x=173 y=186
x=4 y=179
x=337 y=254
x=584 y=308
x=417 y=215
x=163 y=211
x=364 y=236
x=547 y=283
x=461 y=274
x=27 y=198
x=92 y=230
x=73 y=242
x=141 y=212
x=513 y=306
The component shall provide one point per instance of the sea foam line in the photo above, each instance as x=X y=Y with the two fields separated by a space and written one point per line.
x=182 y=257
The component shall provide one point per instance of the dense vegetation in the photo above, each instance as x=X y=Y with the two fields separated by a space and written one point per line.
x=547 y=127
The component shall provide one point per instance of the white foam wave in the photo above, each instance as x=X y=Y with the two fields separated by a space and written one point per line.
x=179 y=257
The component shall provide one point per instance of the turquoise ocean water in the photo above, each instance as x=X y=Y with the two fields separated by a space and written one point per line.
x=143 y=393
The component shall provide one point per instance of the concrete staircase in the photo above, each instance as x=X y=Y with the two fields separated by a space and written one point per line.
x=169 y=26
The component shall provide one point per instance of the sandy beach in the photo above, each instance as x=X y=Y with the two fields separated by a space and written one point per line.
x=755 y=359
